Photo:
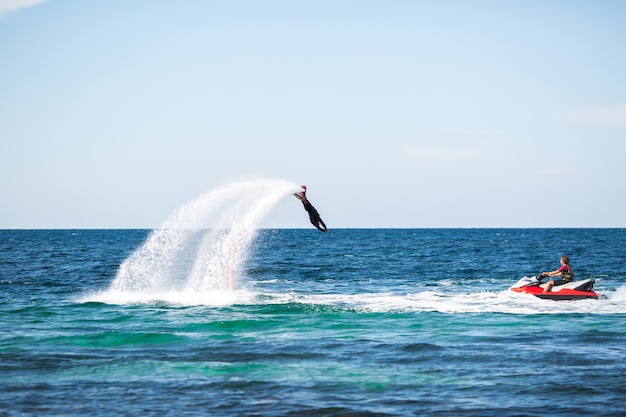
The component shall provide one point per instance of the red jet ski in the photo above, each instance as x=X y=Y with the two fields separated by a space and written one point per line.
x=575 y=290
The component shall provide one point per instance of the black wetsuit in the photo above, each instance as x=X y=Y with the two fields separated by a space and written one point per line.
x=314 y=216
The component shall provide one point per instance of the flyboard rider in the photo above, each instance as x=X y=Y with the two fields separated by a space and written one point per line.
x=314 y=216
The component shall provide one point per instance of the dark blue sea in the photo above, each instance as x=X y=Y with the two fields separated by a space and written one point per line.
x=294 y=322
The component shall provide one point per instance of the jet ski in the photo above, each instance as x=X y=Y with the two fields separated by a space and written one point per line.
x=575 y=290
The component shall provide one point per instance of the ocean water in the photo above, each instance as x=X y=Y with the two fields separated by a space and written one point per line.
x=356 y=322
x=228 y=320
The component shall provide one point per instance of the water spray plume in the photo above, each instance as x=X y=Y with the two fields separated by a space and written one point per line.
x=203 y=244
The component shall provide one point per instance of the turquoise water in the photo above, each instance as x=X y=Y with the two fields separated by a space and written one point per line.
x=357 y=322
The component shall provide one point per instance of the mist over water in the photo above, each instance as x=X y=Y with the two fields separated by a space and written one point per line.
x=202 y=246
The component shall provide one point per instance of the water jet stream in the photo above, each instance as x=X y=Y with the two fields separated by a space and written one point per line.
x=202 y=245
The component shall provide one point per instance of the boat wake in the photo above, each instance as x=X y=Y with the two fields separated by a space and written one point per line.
x=504 y=302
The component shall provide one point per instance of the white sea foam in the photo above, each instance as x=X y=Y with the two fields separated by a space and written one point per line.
x=619 y=295
x=505 y=301
x=183 y=298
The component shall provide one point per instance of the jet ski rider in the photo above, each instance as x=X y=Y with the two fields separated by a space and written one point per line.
x=565 y=272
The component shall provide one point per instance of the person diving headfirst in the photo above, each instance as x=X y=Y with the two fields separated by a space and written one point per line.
x=314 y=216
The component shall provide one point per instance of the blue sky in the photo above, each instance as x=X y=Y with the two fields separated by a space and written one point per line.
x=394 y=113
